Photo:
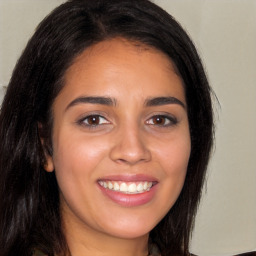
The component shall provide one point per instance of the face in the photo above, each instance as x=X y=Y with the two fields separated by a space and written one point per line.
x=121 y=141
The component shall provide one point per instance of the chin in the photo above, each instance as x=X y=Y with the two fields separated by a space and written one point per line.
x=130 y=230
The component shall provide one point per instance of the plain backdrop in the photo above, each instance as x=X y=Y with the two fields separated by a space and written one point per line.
x=224 y=32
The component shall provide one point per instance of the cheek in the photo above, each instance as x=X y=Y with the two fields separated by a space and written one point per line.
x=76 y=158
x=174 y=153
x=77 y=161
x=178 y=157
x=173 y=157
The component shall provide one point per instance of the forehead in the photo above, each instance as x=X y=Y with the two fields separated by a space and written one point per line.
x=118 y=65
x=113 y=49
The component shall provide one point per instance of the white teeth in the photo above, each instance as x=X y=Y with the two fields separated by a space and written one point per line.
x=145 y=185
x=123 y=187
x=132 y=188
x=140 y=187
x=127 y=188
x=110 y=185
x=116 y=186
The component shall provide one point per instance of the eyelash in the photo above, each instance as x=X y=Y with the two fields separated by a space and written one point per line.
x=97 y=118
x=101 y=120
x=168 y=120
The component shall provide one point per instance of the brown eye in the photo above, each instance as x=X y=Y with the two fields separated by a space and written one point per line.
x=159 y=120
x=162 y=120
x=94 y=120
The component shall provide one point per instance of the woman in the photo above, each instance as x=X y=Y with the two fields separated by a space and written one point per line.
x=106 y=132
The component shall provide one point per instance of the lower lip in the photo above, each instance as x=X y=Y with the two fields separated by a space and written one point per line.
x=129 y=200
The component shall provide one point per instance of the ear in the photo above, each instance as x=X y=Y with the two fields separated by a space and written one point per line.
x=48 y=163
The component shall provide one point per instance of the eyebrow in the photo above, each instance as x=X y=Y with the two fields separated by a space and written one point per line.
x=159 y=101
x=92 y=100
x=150 y=102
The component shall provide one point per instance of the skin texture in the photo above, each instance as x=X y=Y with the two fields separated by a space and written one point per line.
x=127 y=139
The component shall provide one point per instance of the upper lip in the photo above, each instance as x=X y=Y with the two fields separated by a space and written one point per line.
x=129 y=177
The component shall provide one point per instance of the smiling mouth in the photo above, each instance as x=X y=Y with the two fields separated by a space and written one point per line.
x=127 y=187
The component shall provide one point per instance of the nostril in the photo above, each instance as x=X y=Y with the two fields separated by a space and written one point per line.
x=129 y=146
x=131 y=161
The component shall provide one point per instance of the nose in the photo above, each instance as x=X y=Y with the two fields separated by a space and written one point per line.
x=130 y=148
